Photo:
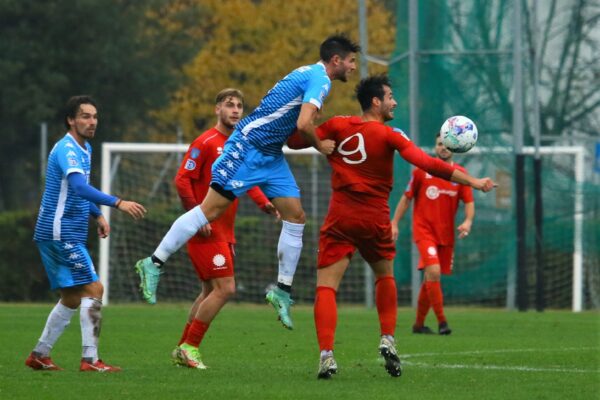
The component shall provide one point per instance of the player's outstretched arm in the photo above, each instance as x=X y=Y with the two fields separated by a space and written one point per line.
x=398 y=215
x=135 y=210
x=483 y=184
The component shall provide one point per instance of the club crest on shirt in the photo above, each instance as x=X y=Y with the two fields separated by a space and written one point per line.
x=432 y=192
x=194 y=153
x=190 y=165
x=72 y=162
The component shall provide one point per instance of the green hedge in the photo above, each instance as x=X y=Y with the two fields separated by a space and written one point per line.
x=22 y=275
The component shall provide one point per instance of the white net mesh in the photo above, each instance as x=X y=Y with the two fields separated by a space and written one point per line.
x=147 y=177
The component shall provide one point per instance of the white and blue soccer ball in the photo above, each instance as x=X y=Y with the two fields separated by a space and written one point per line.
x=458 y=134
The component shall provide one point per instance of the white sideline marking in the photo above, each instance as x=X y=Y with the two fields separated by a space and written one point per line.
x=404 y=356
x=497 y=367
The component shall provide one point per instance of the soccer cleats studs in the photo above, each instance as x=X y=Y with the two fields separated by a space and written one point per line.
x=98 y=366
x=38 y=362
x=327 y=367
x=424 y=330
x=188 y=356
x=444 y=329
x=149 y=276
x=387 y=349
x=281 y=302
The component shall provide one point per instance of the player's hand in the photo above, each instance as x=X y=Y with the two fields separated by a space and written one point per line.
x=269 y=208
x=136 y=210
x=103 y=227
x=484 y=184
x=205 y=231
x=326 y=146
x=464 y=229
x=394 y=232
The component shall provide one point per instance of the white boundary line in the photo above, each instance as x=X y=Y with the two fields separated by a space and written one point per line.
x=436 y=364
x=500 y=367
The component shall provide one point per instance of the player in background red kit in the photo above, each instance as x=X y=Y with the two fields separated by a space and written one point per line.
x=211 y=249
x=359 y=214
x=436 y=203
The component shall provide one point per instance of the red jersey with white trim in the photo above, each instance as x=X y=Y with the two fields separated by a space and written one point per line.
x=363 y=160
x=435 y=206
x=193 y=180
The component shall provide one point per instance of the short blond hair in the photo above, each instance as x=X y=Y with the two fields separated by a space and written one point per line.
x=229 y=92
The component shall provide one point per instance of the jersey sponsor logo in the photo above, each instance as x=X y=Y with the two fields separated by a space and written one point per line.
x=433 y=192
x=219 y=261
x=190 y=165
x=431 y=251
x=195 y=153
x=360 y=149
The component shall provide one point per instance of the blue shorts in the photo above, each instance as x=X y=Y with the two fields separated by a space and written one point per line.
x=67 y=263
x=242 y=166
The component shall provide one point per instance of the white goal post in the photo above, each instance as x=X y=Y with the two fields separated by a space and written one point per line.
x=111 y=153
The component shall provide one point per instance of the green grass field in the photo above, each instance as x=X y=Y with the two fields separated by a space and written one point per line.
x=492 y=354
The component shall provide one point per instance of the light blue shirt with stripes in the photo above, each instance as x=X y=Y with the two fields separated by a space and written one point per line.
x=273 y=121
x=63 y=214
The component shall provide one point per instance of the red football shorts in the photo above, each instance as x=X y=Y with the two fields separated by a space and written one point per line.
x=432 y=254
x=212 y=260
x=342 y=235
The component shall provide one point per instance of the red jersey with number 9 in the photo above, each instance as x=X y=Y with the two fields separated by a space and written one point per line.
x=363 y=160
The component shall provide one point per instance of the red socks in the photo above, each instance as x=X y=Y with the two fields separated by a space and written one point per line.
x=196 y=332
x=386 y=300
x=325 y=312
x=436 y=299
x=422 y=306
x=186 y=328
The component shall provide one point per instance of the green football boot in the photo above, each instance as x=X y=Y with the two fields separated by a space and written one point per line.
x=281 y=301
x=149 y=277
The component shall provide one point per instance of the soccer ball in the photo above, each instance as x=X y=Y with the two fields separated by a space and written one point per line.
x=458 y=134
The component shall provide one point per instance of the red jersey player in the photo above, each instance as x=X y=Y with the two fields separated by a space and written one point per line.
x=436 y=202
x=211 y=249
x=359 y=214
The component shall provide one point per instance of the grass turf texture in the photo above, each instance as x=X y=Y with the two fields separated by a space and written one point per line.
x=491 y=354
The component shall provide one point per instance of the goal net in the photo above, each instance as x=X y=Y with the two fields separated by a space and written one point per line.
x=144 y=172
x=485 y=263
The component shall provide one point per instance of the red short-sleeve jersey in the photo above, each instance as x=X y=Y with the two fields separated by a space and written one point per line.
x=435 y=205
x=363 y=160
x=193 y=179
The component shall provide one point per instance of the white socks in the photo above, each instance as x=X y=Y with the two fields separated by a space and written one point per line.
x=181 y=231
x=58 y=320
x=288 y=251
x=90 y=318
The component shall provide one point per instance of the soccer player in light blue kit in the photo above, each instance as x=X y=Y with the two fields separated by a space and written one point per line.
x=61 y=235
x=253 y=157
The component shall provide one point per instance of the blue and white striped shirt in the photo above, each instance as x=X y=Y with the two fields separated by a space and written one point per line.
x=63 y=214
x=273 y=121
